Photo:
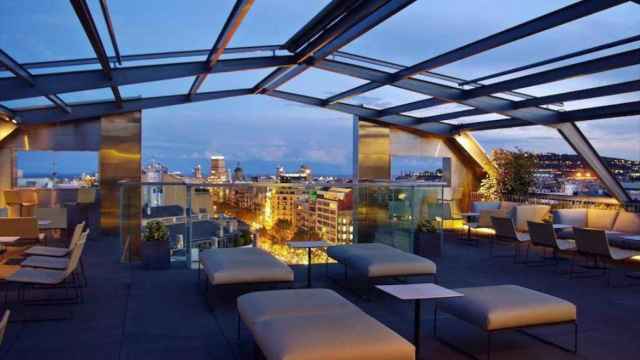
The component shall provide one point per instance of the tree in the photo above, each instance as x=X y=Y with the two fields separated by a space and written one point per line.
x=514 y=176
x=304 y=234
x=282 y=229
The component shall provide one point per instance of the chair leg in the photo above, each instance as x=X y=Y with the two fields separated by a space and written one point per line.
x=488 y=345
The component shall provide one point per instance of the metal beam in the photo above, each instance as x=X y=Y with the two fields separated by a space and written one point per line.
x=356 y=22
x=86 y=20
x=416 y=105
x=12 y=88
x=398 y=120
x=594 y=113
x=450 y=116
x=610 y=62
x=146 y=56
x=26 y=78
x=328 y=15
x=238 y=13
x=431 y=74
x=561 y=16
x=590 y=50
x=112 y=34
x=576 y=139
x=87 y=110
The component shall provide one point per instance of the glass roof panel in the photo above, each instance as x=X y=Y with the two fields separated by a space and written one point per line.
x=284 y=19
x=475 y=118
x=428 y=28
x=619 y=22
x=437 y=110
x=158 y=88
x=88 y=95
x=27 y=103
x=320 y=83
x=233 y=80
x=385 y=97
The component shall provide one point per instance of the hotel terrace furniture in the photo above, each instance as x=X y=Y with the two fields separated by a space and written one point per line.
x=469 y=217
x=614 y=221
x=508 y=307
x=58 y=251
x=3 y=324
x=375 y=260
x=303 y=324
x=57 y=263
x=418 y=292
x=21 y=201
x=506 y=233
x=243 y=265
x=4 y=212
x=24 y=227
x=544 y=235
x=33 y=278
x=308 y=245
x=594 y=244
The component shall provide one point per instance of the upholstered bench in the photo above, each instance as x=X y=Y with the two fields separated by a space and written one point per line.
x=232 y=266
x=317 y=324
x=379 y=260
x=507 y=307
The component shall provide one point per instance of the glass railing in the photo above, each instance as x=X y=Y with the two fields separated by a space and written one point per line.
x=199 y=216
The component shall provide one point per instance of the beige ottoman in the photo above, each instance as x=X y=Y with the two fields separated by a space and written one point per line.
x=508 y=307
x=310 y=324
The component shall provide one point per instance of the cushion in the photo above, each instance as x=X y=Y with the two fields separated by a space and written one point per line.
x=525 y=213
x=263 y=305
x=601 y=219
x=509 y=208
x=243 y=265
x=376 y=260
x=508 y=306
x=575 y=217
x=485 y=205
x=627 y=222
x=484 y=220
x=330 y=328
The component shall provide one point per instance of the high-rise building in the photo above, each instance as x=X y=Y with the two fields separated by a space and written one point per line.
x=238 y=174
x=334 y=215
x=218 y=169
x=197 y=172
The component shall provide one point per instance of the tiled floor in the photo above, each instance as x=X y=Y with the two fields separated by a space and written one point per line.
x=131 y=313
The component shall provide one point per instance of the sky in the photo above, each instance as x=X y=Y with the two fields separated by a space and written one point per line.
x=260 y=132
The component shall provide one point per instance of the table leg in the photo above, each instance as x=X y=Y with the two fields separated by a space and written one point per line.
x=308 y=267
x=416 y=327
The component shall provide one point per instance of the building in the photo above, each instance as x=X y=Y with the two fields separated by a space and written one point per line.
x=303 y=174
x=238 y=174
x=334 y=215
x=283 y=202
x=197 y=172
x=218 y=170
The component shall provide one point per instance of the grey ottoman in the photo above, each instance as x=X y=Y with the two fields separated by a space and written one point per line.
x=509 y=307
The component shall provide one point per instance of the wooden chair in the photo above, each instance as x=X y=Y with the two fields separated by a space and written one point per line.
x=28 y=202
x=58 y=251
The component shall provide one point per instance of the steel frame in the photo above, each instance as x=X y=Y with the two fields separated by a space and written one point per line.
x=339 y=23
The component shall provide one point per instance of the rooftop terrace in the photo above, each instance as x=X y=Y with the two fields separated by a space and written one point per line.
x=130 y=313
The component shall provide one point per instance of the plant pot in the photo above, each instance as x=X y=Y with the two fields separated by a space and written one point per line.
x=427 y=244
x=155 y=255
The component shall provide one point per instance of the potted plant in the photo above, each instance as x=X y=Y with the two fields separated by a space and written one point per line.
x=155 y=246
x=426 y=241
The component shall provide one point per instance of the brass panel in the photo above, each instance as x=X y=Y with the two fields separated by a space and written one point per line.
x=372 y=152
x=120 y=156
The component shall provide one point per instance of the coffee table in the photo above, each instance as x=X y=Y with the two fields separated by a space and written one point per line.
x=308 y=245
x=418 y=292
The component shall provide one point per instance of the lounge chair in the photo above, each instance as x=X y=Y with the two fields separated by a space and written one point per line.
x=508 y=307
x=506 y=234
x=245 y=265
x=305 y=324
x=592 y=243
x=544 y=235
x=28 y=278
x=375 y=260
x=3 y=324
x=58 y=251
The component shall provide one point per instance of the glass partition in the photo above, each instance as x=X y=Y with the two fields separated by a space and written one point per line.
x=268 y=215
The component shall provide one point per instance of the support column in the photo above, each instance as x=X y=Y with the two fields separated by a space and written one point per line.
x=120 y=156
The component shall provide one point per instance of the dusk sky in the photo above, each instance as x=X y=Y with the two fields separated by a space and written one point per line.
x=261 y=132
